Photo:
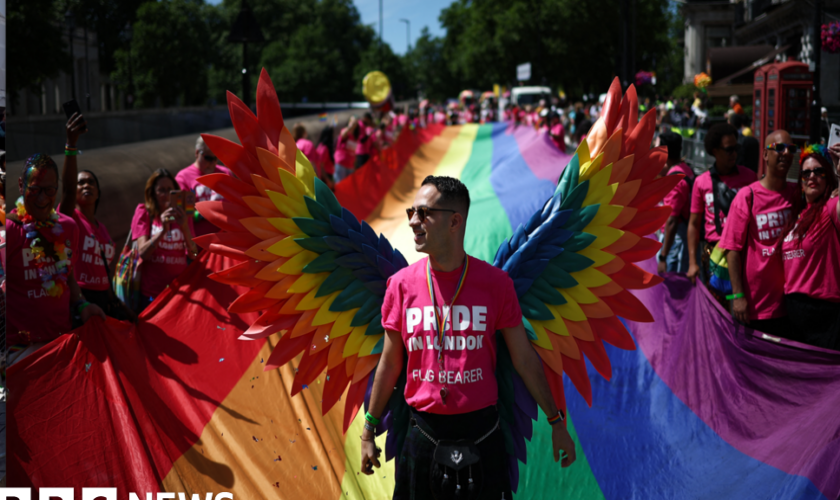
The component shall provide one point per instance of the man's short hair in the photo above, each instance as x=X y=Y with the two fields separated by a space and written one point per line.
x=674 y=143
x=716 y=134
x=453 y=193
x=734 y=98
x=200 y=145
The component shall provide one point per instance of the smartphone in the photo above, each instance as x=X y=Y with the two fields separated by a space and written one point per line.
x=189 y=203
x=834 y=135
x=71 y=107
x=177 y=198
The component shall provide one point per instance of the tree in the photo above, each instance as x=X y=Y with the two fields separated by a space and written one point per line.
x=38 y=46
x=426 y=68
x=569 y=43
x=169 y=54
x=384 y=60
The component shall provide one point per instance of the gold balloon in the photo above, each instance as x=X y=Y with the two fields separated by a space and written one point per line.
x=376 y=87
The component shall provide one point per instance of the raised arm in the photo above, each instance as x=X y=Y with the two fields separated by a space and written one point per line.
x=75 y=127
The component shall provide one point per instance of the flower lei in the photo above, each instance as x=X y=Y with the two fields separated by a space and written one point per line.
x=54 y=284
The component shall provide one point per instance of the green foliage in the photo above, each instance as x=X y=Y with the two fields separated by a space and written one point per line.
x=169 y=53
x=386 y=61
x=426 y=68
x=570 y=44
x=684 y=91
x=39 y=46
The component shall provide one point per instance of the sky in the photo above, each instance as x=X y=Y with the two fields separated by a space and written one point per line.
x=419 y=13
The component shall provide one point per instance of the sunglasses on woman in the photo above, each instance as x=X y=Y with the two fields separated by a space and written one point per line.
x=780 y=147
x=422 y=212
x=209 y=158
x=806 y=174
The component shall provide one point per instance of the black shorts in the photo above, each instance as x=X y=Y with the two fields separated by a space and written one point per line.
x=361 y=160
x=415 y=463
x=817 y=322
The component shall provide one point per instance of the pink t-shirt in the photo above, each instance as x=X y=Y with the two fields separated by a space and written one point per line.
x=678 y=198
x=90 y=270
x=558 y=136
x=754 y=233
x=306 y=147
x=702 y=200
x=167 y=261
x=31 y=309
x=321 y=160
x=487 y=303
x=345 y=150
x=364 y=145
x=187 y=179
x=812 y=264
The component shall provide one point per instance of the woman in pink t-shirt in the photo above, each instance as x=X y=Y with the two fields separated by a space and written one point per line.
x=811 y=255
x=345 y=150
x=322 y=157
x=80 y=200
x=302 y=141
x=164 y=237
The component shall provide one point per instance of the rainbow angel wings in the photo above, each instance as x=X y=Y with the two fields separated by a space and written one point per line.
x=320 y=275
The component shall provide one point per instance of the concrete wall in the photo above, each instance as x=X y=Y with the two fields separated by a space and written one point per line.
x=123 y=170
x=41 y=133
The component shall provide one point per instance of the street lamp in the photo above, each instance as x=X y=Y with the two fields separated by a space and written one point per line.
x=245 y=29
x=128 y=33
x=70 y=21
x=407 y=34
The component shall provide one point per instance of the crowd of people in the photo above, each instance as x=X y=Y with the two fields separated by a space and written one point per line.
x=769 y=250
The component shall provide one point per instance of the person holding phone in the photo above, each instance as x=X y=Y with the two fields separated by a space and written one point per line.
x=206 y=163
x=80 y=196
x=164 y=236
x=811 y=253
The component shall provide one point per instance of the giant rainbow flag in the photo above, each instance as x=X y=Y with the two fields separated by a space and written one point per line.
x=701 y=409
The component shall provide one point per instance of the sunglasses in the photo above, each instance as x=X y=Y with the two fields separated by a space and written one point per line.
x=211 y=159
x=422 y=212
x=730 y=149
x=806 y=174
x=780 y=147
x=37 y=190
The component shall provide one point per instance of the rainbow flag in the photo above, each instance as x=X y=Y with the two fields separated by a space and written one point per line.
x=701 y=409
x=322 y=117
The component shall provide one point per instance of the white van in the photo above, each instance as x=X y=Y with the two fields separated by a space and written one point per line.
x=521 y=96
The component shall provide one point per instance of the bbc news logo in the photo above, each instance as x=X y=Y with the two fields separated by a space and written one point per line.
x=103 y=493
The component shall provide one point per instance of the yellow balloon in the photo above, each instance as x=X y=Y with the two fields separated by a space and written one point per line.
x=376 y=87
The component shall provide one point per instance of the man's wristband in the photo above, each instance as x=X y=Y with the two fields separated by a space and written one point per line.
x=369 y=427
x=371 y=419
x=557 y=418
x=81 y=307
x=71 y=152
x=662 y=257
x=735 y=296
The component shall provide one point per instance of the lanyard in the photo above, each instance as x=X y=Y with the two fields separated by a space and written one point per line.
x=440 y=323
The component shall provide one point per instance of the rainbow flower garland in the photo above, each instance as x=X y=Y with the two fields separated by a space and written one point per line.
x=54 y=284
x=814 y=149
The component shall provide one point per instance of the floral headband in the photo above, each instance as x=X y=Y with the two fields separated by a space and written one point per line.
x=815 y=149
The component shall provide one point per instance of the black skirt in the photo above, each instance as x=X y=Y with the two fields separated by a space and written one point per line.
x=414 y=465
x=816 y=322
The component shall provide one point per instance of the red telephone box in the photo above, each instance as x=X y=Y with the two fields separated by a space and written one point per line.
x=759 y=96
x=787 y=95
